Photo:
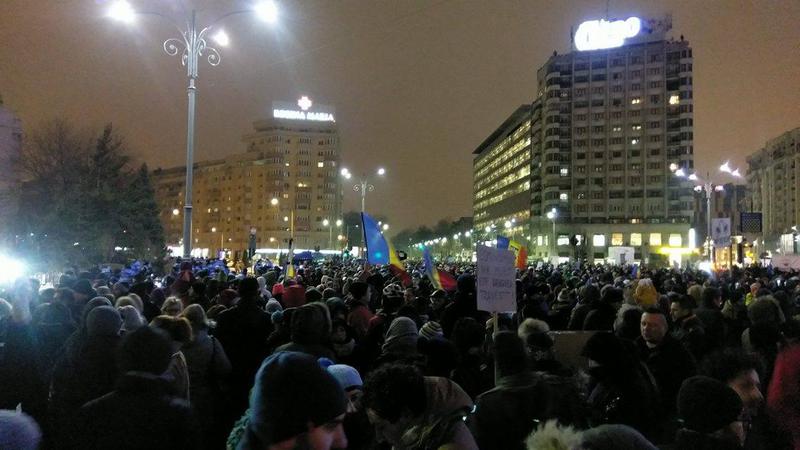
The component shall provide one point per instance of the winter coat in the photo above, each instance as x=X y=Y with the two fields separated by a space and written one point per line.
x=442 y=424
x=310 y=332
x=138 y=414
x=670 y=363
x=359 y=318
x=601 y=318
x=783 y=396
x=692 y=440
x=689 y=332
x=80 y=376
x=243 y=331
x=714 y=325
x=507 y=414
x=209 y=370
x=21 y=378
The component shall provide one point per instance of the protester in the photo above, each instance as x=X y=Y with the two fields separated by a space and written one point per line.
x=177 y=374
x=410 y=411
x=665 y=357
x=208 y=369
x=139 y=413
x=242 y=331
x=710 y=411
x=296 y=404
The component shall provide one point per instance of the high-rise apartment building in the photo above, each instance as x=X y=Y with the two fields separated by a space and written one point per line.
x=607 y=123
x=285 y=185
x=773 y=181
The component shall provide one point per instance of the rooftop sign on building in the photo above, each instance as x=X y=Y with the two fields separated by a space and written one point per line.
x=604 y=34
x=304 y=109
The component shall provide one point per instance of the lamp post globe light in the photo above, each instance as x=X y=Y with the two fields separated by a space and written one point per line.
x=193 y=45
x=707 y=187
x=364 y=185
x=553 y=215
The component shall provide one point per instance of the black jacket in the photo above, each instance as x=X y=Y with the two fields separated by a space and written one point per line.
x=689 y=331
x=243 y=331
x=139 y=414
x=714 y=325
x=507 y=414
x=670 y=363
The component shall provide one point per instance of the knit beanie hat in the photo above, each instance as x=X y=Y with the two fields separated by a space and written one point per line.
x=294 y=296
x=273 y=306
x=103 y=321
x=431 y=330
x=18 y=431
x=313 y=295
x=615 y=437
x=147 y=349
x=707 y=405
x=402 y=336
x=348 y=377
x=291 y=389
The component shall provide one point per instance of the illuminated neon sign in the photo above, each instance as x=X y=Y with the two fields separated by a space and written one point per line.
x=600 y=34
x=283 y=110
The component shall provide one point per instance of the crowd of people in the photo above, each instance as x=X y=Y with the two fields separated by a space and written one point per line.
x=343 y=355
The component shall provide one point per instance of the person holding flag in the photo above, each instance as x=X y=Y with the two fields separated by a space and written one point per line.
x=440 y=279
x=381 y=251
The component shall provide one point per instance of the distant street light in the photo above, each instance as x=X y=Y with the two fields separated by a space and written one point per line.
x=274 y=202
x=363 y=186
x=175 y=212
x=192 y=46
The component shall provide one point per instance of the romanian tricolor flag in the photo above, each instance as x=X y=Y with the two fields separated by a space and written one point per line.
x=439 y=278
x=381 y=251
x=521 y=253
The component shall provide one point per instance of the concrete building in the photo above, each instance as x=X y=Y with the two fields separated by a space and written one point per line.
x=606 y=126
x=286 y=184
x=10 y=153
x=773 y=181
x=502 y=177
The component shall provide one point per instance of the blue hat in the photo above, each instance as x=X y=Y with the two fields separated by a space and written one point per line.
x=347 y=376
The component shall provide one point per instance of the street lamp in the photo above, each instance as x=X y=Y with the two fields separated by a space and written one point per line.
x=385 y=226
x=194 y=44
x=364 y=185
x=553 y=215
x=274 y=202
x=708 y=188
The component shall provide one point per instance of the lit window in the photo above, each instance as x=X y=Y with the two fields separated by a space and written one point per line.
x=655 y=238
x=599 y=240
x=636 y=101
x=563 y=196
x=675 y=240
x=636 y=127
x=616 y=129
x=563 y=239
x=616 y=238
x=564 y=171
x=636 y=239
x=320 y=164
x=634 y=141
x=674 y=99
x=539 y=240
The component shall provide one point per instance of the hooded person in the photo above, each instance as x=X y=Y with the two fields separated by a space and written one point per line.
x=262 y=288
x=19 y=431
x=360 y=315
x=710 y=413
x=589 y=296
x=506 y=415
x=295 y=403
x=208 y=368
x=52 y=325
x=139 y=413
x=310 y=331
x=88 y=372
x=131 y=318
x=273 y=306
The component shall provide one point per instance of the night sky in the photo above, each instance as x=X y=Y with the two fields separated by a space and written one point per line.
x=417 y=85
